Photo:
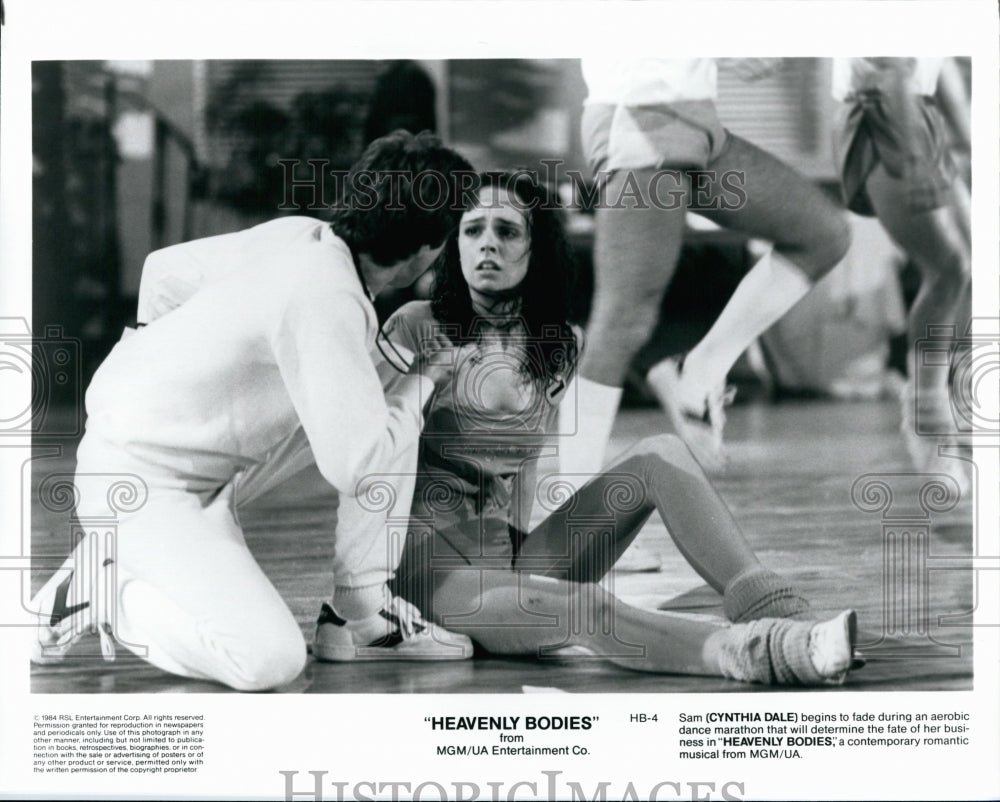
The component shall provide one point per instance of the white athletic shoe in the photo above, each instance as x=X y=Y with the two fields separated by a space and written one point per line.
x=831 y=647
x=638 y=559
x=701 y=428
x=396 y=632
x=76 y=600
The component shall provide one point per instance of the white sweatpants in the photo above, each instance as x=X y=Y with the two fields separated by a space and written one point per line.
x=190 y=596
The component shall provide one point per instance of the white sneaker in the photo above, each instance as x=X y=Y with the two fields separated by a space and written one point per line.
x=77 y=600
x=396 y=632
x=638 y=559
x=831 y=647
x=701 y=428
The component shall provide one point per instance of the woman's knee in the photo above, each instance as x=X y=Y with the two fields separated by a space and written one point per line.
x=667 y=447
x=820 y=246
x=621 y=328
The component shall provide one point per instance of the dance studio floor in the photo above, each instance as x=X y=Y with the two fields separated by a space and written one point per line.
x=897 y=552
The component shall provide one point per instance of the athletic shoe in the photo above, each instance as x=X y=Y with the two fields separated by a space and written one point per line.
x=396 y=632
x=831 y=647
x=638 y=559
x=75 y=602
x=701 y=428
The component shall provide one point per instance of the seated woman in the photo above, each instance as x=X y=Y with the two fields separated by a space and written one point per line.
x=470 y=560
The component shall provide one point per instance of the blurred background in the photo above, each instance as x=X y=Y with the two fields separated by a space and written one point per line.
x=134 y=156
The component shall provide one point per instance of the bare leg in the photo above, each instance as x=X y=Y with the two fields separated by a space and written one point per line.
x=581 y=540
x=934 y=240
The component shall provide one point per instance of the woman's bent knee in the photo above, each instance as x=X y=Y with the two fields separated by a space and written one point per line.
x=668 y=447
x=820 y=248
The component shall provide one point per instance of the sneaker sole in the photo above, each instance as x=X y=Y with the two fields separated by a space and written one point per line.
x=415 y=649
x=355 y=654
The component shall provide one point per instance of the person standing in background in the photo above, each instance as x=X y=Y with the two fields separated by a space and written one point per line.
x=893 y=157
x=653 y=138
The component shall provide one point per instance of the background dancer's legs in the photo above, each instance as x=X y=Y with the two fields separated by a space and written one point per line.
x=810 y=236
x=935 y=241
x=937 y=244
x=635 y=256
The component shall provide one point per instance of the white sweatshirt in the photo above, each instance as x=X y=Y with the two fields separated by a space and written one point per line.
x=277 y=337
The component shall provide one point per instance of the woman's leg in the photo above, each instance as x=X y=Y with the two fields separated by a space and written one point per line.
x=636 y=247
x=516 y=613
x=934 y=240
x=810 y=235
x=581 y=540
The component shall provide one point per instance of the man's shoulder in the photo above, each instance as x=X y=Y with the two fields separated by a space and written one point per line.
x=310 y=252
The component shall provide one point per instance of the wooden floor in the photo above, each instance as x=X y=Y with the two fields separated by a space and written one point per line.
x=789 y=484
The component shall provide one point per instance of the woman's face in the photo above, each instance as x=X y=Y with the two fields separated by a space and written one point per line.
x=494 y=242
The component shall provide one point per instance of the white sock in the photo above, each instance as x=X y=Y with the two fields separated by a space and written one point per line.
x=586 y=416
x=355 y=604
x=772 y=287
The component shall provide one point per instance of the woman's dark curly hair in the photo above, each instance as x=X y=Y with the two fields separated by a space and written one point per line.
x=546 y=292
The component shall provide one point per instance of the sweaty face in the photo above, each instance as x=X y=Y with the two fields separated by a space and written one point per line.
x=494 y=243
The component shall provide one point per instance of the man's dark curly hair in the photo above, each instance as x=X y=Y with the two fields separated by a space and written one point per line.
x=546 y=292
x=403 y=193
